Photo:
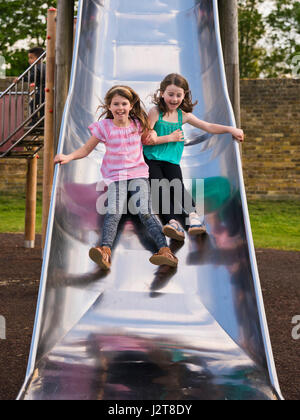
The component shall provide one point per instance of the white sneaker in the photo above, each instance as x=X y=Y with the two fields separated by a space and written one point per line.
x=174 y=230
x=196 y=225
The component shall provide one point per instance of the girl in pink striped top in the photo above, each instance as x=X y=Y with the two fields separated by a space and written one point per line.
x=124 y=171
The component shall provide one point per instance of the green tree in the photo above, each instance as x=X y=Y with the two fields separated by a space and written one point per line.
x=22 y=20
x=269 y=45
x=284 y=22
x=252 y=29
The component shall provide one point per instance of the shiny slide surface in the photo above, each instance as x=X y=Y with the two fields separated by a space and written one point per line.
x=143 y=332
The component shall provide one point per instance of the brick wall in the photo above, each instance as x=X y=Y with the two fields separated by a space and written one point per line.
x=13 y=175
x=271 y=154
x=4 y=83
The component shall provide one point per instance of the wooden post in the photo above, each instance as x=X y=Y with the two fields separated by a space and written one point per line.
x=228 y=11
x=49 y=121
x=64 y=53
x=30 y=215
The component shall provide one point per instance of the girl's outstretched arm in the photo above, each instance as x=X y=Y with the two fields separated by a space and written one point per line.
x=80 y=153
x=237 y=133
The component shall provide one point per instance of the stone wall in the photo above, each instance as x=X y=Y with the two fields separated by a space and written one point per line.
x=271 y=154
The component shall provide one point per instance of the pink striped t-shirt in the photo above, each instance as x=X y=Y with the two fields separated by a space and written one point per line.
x=123 y=159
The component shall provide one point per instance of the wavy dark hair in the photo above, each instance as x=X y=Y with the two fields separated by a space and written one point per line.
x=187 y=104
x=138 y=111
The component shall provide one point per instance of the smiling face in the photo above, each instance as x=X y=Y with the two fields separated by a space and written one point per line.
x=173 y=97
x=120 y=108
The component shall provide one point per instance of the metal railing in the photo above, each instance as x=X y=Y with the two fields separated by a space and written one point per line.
x=22 y=107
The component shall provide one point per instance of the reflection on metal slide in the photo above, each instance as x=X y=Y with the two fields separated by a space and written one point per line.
x=142 y=332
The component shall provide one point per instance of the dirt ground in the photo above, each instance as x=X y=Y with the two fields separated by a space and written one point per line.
x=19 y=281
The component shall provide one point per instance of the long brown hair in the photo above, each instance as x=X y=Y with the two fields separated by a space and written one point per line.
x=187 y=104
x=137 y=112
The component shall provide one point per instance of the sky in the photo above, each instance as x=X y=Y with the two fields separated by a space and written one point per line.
x=266 y=7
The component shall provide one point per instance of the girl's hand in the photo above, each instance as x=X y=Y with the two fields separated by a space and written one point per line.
x=62 y=159
x=176 y=136
x=150 y=138
x=238 y=134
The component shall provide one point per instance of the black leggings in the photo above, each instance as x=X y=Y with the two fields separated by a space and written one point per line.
x=181 y=203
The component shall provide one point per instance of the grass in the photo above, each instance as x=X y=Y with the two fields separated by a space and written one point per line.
x=275 y=224
x=12 y=213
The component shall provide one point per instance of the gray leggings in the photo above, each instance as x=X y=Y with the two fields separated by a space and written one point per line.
x=138 y=204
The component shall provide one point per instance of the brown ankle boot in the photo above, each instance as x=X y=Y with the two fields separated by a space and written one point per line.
x=164 y=257
x=101 y=256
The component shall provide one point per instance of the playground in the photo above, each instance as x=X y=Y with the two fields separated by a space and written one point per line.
x=219 y=322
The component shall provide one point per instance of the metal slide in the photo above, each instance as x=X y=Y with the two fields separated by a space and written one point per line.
x=143 y=332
